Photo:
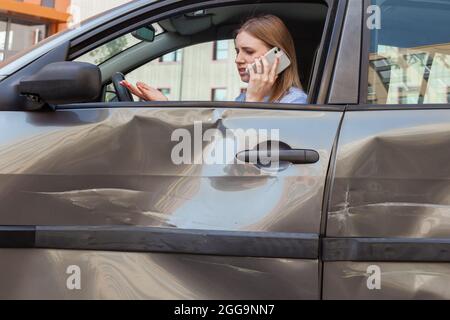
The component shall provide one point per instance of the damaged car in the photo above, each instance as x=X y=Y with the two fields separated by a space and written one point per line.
x=357 y=207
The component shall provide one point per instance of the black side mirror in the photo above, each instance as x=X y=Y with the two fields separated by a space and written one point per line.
x=146 y=33
x=62 y=83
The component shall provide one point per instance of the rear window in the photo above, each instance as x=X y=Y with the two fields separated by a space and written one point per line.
x=409 y=58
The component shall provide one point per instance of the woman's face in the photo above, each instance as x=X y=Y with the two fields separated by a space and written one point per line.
x=248 y=48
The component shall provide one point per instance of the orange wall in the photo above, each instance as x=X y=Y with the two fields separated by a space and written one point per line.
x=56 y=17
x=60 y=5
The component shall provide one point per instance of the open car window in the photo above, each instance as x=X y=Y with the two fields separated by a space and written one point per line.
x=193 y=58
x=201 y=72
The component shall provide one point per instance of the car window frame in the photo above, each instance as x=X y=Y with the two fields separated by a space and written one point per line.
x=365 y=48
x=321 y=73
x=64 y=47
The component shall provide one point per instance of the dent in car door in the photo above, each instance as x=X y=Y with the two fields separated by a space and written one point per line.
x=390 y=207
x=105 y=172
x=388 y=230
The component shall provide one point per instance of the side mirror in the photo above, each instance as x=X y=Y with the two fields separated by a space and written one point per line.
x=62 y=83
x=146 y=33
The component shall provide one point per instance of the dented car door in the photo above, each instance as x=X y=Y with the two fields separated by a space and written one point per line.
x=102 y=183
x=388 y=228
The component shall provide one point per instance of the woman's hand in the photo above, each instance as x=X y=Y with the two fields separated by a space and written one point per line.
x=262 y=80
x=143 y=91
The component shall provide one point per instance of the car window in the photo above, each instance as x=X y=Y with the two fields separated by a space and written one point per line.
x=409 y=59
x=113 y=48
x=190 y=61
x=195 y=73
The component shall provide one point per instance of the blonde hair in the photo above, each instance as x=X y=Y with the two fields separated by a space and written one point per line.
x=273 y=32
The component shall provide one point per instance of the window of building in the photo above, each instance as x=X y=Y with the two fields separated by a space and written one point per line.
x=409 y=60
x=17 y=35
x=175 y=56
x=2 y=38
x=48 y=3
x=220 y=50
x=219 y=94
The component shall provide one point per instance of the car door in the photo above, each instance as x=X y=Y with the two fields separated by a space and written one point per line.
x=98 y=202
x=387 y=234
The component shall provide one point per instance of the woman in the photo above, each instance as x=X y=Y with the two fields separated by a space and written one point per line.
x=253 y=40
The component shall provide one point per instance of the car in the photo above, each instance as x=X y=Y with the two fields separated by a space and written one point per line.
x=93 y=205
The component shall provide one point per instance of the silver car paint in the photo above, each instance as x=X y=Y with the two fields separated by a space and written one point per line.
x=392 y=175
x=113 y=167
x=42 y=274
x=391 y=180
x=97 y=167
x=348 y=280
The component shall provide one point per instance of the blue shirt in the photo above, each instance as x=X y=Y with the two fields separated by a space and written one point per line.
x=294 y=95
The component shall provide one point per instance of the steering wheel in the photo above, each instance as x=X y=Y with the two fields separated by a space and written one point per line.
x=123 y=94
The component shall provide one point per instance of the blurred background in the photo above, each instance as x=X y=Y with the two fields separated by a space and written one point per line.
x=24 y=23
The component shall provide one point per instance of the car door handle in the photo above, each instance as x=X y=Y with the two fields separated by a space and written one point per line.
x=294 y=156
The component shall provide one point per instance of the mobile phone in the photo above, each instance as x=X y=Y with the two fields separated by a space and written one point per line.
x=271 y=55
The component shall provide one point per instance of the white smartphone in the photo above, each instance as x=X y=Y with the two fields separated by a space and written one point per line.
x=272 y=54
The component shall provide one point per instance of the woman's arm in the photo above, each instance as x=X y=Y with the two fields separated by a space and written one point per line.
x=144 y=91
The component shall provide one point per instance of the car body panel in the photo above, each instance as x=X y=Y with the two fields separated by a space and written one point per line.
x=387 y=230
x=348 y=280
x=391 y=183
x=96 y=167
x=100 y=167
x=42 y=274
x=392 y=175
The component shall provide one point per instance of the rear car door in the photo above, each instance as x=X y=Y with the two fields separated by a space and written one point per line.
x=388 y=226
x=94 y=191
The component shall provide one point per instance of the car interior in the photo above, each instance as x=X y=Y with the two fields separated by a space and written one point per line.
x=304 y=20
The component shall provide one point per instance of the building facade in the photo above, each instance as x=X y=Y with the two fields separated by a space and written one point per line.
x=83 y=9
x=25 y=23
